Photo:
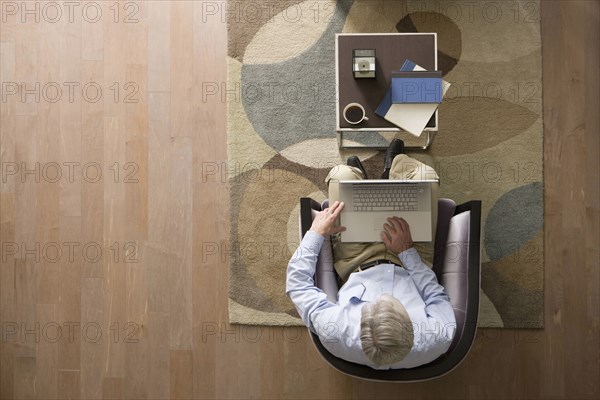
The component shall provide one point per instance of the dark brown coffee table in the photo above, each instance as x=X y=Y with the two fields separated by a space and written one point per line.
x=392 y=49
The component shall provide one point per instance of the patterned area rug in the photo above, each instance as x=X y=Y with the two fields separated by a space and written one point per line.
x=281 y=138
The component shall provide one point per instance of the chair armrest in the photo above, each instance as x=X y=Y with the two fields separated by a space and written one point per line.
x=455 y=268
x=461 y=271
x=325 y=275
x=307 y=205
x=446 y=209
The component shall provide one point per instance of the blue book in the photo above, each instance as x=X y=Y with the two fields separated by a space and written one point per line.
x=416 y=87
x=386 y=102
x=411 y=117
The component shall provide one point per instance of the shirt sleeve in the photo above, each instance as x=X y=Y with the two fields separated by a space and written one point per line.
x=300 y=286
x=423 y=277
x=438 y=330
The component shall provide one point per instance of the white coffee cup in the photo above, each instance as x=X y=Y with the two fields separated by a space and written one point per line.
x=358 y=120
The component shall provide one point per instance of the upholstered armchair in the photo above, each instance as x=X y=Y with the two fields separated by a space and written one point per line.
x=457 y=266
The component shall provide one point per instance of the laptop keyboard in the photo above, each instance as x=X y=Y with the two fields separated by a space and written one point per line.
x=384 y=198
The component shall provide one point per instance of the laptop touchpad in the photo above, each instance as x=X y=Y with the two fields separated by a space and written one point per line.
x=378 y=224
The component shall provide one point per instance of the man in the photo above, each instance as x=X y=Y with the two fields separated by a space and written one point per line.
x=390 y=314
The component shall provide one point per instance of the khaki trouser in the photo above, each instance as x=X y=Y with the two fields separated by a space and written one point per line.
x=349 y=256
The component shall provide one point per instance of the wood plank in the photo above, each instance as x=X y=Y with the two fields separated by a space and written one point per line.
x=340 y=385
x=7 y=212
x=159 y=373
x=226 y=382
x=112 y=388
x=8 y=115
x=134 y=173
x=157 y=272
x=210 y=41
x=114 y=295
x=573 y=186
x=591 y=387
x=48 y=207
x=25 y=307
x=7 y=358
x=92 y=152
x=93 y=32
x=295 y=349
x=69 y=304
x=182 y=83
x=552 y=383
x=135 y=329
x=180 y=272
x=68 y=385
x=159 y=49
x=136 y=179
x=26 y=37
x=134 y=332
x=159 y=171
x=272 y=361
x=46 y=378
x=51 y=170
x=246 y=340
x=182 y=374
x=7 y=293
x=24 y=384
x=27 y=261
x=71 y=118
x=317 y=370
x=92 y=348
x=159 y=358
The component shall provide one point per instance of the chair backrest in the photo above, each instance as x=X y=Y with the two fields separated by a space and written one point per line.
x=457 y=265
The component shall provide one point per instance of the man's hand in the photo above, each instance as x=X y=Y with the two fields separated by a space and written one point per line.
x=324 y=222
x=396 y=235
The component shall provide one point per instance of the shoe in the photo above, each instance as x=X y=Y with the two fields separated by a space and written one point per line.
x=354 y=161
x=396 y=147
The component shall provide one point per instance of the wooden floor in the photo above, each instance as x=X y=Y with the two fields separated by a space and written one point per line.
x=115 y=287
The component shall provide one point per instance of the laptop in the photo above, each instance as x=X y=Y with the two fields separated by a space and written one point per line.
x=369 y=202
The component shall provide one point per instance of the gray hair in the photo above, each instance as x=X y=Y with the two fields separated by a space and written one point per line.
x=386 y=331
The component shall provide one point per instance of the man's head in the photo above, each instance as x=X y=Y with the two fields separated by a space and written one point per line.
x=386 y=332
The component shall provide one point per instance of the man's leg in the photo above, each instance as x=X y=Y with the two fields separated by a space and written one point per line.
x=337 y=174
x=405 y=167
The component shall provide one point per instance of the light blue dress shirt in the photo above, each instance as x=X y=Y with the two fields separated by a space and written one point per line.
x=338 y=324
